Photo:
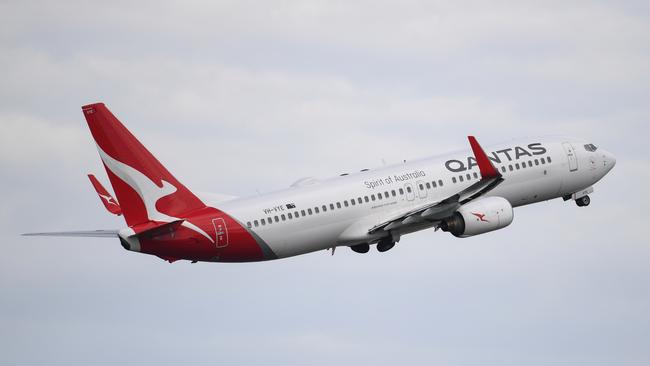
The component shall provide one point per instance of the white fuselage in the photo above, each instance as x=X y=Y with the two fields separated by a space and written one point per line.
x=315 y=215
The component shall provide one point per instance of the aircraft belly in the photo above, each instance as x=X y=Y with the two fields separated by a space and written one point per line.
x=301 y=239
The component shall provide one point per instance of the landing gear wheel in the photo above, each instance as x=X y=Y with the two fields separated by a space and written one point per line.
x=583 y=201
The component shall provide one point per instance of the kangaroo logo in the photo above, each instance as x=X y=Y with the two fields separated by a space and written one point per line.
x=148 y=191
x=108 y=199
x=480 y=216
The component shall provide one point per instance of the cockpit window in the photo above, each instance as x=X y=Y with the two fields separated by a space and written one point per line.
x=590 y=147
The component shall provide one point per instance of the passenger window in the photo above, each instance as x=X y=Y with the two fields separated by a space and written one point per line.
x=536 y=162
x=289 y=216
x=283 y=217
x=263 y=223
x=379 y=196
x=548 y=159
x=401 y=191
x=475 y=175
x=269 y=220
x=366 y=198
x=469 y=176
x=309 y=211
x=256 y=223
x=393 y=192
x=408 y=189
x=440 y=183
x=359 y=200
x=353 y=202
x=302 y=212
x=517 y=166
x=338 y=204
x=372 y=197
x=428 y=185
x=542 y=161
x=510 y=167
x=276 y=218
x=503 y=169
x=386 y=195
x=433 y=184
x=530 y=164
x=421 y=187
x=345 y=203
x=453 y=179
x=316 y=210
x=460 y=178
x=331 y=206
x=324 y=208
x=523 y=165
x=249 y=225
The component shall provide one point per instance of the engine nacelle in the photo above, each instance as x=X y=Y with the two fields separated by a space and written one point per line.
x=478 y=217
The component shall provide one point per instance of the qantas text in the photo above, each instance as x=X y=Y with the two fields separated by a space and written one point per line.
x=497 y=157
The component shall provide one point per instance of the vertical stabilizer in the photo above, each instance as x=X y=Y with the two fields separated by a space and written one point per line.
x=145 y=190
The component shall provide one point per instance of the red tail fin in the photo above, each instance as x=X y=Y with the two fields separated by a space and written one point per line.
x=145 y=189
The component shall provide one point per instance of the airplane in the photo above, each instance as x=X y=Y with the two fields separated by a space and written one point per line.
x=465 y=193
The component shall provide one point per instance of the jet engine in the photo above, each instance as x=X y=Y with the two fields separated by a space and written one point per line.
x=479 y=216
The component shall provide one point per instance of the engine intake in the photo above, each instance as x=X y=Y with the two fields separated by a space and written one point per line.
x=478 y=217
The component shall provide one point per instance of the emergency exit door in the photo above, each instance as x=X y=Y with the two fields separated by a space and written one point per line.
x=220 y=232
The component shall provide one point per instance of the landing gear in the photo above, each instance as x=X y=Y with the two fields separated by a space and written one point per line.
x=360 y=248
x=385 y=244
x=583 y=201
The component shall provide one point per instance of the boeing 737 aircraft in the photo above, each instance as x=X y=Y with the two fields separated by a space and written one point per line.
x=467 y=193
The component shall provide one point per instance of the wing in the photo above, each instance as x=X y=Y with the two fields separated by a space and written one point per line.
x=79 y=234
x=436 y=211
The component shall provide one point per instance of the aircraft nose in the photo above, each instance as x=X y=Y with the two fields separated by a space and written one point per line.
x=609 y=160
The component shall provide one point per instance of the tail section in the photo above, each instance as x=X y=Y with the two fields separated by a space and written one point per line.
x=145 y=189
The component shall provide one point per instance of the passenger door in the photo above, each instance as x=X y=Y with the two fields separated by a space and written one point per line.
x=571 y=155
x=220 y=232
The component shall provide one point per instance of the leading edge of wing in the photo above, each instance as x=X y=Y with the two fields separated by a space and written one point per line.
x=79 y=234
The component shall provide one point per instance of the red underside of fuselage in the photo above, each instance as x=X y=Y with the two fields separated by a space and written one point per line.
x=220 y=239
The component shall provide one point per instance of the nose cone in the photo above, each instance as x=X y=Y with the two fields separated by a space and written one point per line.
x=609 y=160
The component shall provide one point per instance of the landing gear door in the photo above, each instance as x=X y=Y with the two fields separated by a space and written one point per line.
x=220 y=232
x=571 y=155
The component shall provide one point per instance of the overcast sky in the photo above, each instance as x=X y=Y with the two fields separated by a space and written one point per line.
x=241 y=97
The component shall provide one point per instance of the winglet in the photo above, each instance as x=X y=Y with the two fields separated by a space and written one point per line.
x=484 y=164
x=109 y=202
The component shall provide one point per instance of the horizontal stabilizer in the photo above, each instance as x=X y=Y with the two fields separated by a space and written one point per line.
x=152 y=229
x=79 y=234
x=109 y=202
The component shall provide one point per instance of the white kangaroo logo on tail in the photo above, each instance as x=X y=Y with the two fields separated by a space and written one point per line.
x=148 y=191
